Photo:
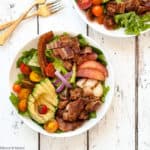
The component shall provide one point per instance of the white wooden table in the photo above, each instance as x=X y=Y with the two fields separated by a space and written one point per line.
x=127 y=124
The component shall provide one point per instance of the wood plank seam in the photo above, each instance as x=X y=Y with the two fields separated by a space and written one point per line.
x=38 y=33
x=87 y=33
x=136 y=90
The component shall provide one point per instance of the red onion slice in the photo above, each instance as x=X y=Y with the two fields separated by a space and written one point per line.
x=62 y=78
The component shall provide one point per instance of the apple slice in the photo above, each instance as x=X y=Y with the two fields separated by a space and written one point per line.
x=91 y=74
x=94 y=65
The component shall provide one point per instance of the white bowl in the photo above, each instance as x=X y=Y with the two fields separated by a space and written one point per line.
x=100 y=28
x=88 y=124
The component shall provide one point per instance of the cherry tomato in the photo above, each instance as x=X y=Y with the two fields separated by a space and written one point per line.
x=42 y=109
x=50 y=70
x=16 y=88
x=84 y=4
x=25 y=69
x=22 y=105
x=51 y=126
x=96 y=2
x=100 y=19
x=97 y=10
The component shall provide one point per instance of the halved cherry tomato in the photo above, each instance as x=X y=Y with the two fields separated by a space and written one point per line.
x=42 y=109
x=16 y=88
x=97 y=10
x=96 y=2
x=25 y=69
x=24 y=93
x=50 y=70
x=22 y=105
x=51 y=126
x=84 y=4
x=100 y=19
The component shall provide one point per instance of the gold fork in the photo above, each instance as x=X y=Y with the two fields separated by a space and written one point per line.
x=44 y=10
x=6 y=34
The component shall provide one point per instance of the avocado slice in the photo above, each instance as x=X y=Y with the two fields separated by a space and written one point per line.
x=43 y=93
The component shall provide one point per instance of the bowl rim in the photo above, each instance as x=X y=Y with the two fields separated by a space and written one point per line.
x=70 y=133
x=91 y=24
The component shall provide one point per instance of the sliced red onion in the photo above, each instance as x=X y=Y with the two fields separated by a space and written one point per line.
x=66 y=76
x=64 y=81
x=60 y=88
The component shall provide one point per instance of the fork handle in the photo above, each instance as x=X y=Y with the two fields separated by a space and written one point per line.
x=7 y=24
x=7 y=33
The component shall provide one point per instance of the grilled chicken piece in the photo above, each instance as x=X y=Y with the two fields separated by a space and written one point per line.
x=75 y=93
x=63 y=104
x=68 y=126
x=113 y=8
x=67 y=65
x=84 y=115
x=73 y=110
x=43 y=40
x=90 y=87
x=92 y=106
x=109 y=22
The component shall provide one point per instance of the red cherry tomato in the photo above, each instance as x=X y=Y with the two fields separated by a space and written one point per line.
x=16 y=88
x=84 y=4
x=42 y=109
x=50 y=70
x=25 y=69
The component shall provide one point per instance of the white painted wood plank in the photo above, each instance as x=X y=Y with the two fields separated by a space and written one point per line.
x=144 y=92
x=116 y=130
x=64 y=20
x=13 y=132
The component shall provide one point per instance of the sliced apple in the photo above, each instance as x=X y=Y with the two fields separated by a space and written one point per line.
x=94 y=65
x=91 y=74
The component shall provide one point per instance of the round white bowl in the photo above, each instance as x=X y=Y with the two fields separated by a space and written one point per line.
x=100 y=28
x=88 y=124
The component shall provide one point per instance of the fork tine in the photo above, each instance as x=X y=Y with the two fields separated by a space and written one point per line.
x=53 y=3
x=56 y=9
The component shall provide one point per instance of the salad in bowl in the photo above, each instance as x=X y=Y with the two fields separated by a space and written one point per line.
x=120 y=18
x=60 y=82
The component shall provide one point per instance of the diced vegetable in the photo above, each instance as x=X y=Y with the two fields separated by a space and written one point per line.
x=105 y=91
x=60 y=88
x=64 y=81
x=73 y=77
x=82 y=40
x=20 y=78
x=66 y=76
x=146 y=17
x=16 y=88
x=24 y=93
x=51 y=126
x=25 y=69
x=34 y=61
x=26 y=57
x=105 y=1
x=50 y=70
x=58 y=64
x=35 y=77
x=22 y=105
x=92 y=115
x=14 y=99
